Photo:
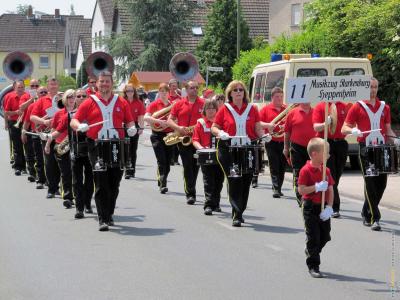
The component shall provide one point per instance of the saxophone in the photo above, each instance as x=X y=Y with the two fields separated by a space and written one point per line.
x=175 y=138
x=62 y=147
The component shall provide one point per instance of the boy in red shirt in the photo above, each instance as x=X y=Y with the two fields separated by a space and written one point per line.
x=316 y=221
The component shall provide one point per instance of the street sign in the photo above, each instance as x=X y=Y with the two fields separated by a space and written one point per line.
x=215 y=69
x=333 y=88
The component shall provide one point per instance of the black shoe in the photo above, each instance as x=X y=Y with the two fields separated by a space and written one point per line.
x=50 y=195
x=103 y=227
x=67 y=203
x=281 y=194
x=254 y=184
x=315 y=273
x=31 y=178
x=89 y=210
x=276 y=194
x=236 y=223
x=127 y=176
x=208 y=211
x=177 y=163
x=111 y=222
x=79 y=215
x=376 y=226
x=336 y=214
x=366 y=223
x=58 y=193
x=24 y=172
x=241 y=219
x=217 y=209
x=39 y=186
x=190 y=200
x=163 y=190
x=133 y=175
x=17 y=173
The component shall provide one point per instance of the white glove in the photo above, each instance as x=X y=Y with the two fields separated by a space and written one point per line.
x=321 y=186
x=329 y=120
x=131 y=131
x=223 y=135
x=357 y=132
x=45 y=136
x=266 y=138
x=83 y=127
x=326 y=214
x=396 y=141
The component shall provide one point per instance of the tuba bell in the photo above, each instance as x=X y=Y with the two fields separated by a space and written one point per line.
x=99 y=62
x=17 y=65
x=183 y=66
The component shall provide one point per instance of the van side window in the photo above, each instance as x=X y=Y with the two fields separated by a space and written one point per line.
x=259 y=88
x=311 y=72
x=349 y=71
x=275 y=78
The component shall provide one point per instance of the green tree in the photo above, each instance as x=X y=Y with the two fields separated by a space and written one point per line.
x=22 y=9
x=218 y=46
x=159 y=25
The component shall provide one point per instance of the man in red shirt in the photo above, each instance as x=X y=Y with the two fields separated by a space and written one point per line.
x=92 y=89
x=114 y=112
x=298 y=132
x=42 y=115
x=173 y=96
x=13 y=113
x=274 y=149
x=369 y=115
x=183 y=117
x=162 y=151
x=338 y=146
x=4 y=102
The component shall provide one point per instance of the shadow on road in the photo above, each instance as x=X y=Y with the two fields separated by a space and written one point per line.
x=138 y=218
x=273 y=229
x=340 y=277
x=140 y=231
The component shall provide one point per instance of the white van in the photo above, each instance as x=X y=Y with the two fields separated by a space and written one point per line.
x=267 y=76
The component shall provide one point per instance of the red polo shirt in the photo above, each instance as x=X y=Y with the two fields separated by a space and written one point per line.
x=58 y=123
x=7 y=97
x=319 y=117
x=89 y=92
x=204 y=138
x=310 y=175
x=173 y=98
x=358 y=116
x=12 y=103
x=226 y=122
x=137 y=109
x=299 y=125
x=27 y=116
x=90 y=112
x=40 y=107
x=156 y=106
x=267 y=114
x=188 y=113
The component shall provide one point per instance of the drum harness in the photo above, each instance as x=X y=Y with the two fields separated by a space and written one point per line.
x=374 y=137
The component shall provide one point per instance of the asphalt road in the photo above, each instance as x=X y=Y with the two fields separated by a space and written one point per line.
x=162 y=248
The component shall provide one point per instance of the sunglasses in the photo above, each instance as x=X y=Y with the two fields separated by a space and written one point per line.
x=92 y=81
x=194 y=88
x=70 y=96
x=43 y=92
x=34 y=85
x=80 y=96
x=238 y=90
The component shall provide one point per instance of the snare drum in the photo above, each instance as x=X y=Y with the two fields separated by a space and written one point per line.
x=110 y=154
x=381 y=159
x=246 y=159
x=206 y=157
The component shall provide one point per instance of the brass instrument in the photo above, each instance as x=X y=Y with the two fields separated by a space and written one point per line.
x=279 y=121
x=17 y=65
x=99 y=62
x=175 y=138
x=161 y=114
x=19 y=120
x=184 y=66
x=62 y=147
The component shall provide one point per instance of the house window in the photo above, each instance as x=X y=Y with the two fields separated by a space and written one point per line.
x=100 y=41
x=197 y=30
x=95 y=40
x=44 y=62
x=296 y=14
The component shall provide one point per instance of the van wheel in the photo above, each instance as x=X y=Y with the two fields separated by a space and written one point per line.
x=354 y=163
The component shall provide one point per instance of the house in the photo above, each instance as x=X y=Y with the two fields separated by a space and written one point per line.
x=102 y=23
x=151 y=80
x=77 y=42
x=286 y=17
x=41 y=37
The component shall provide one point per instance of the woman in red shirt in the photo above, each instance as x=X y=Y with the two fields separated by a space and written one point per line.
x=213 y=177
x=230 y=122
x=138 y=110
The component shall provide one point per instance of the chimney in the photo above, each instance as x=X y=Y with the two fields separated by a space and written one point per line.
x=29 y=13
x=57 y=14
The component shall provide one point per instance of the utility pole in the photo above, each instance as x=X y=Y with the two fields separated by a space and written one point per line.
x=238 y=29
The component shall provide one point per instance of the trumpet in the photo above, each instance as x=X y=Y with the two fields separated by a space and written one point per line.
x=279 y=121
x=19 y=120
x=175 y=138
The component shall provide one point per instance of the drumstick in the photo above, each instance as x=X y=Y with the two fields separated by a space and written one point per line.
x=368 y=131
x=98 y=123
x=32 y=133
